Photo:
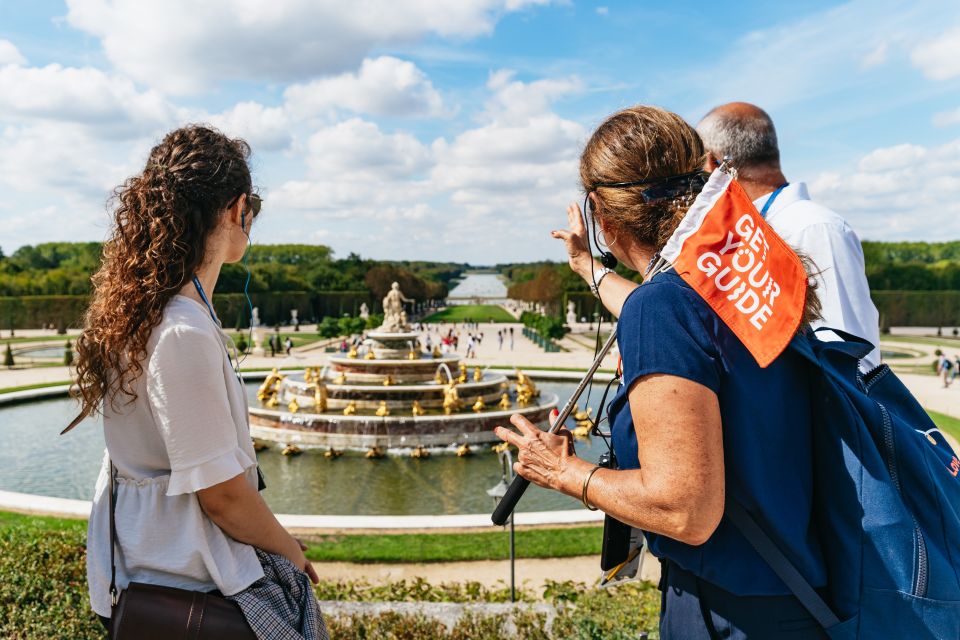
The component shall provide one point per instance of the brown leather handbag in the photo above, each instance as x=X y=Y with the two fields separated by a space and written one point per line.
x=151 y=612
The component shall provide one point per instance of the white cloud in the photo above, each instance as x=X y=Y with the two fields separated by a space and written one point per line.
x=603 y=11
x=897 y=193
x=181 y=46
x=947 y=118
x=383 y=86
x=9 y=54
x=488 y=193
x=265 y=128
x=83 y=95
x=62 y=158
x=939 y=58
x=357 y=149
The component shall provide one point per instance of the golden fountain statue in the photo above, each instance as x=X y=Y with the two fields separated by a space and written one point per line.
x=451 y=398
x=479 y=406
x=319 y=396
x=383 y=410
x=477 y=374
x=505 y=403
x=350 y=409
x=416 y=409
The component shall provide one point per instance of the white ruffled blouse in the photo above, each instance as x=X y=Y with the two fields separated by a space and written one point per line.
x=187 y=430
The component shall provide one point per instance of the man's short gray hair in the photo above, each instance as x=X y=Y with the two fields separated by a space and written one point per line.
x=750 y=140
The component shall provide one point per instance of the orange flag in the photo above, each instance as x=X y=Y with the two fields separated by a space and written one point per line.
x=728 y=253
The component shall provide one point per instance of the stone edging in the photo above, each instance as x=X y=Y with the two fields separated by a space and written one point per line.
x=68 y=508
x=447 y=613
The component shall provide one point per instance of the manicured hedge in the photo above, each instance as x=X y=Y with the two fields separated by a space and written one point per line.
x=31 y=312
x=918 y=308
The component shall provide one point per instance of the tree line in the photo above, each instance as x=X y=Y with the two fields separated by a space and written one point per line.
x=64 y=268
x=890 y=266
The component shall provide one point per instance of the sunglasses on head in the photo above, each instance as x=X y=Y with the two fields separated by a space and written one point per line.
x=665 y=188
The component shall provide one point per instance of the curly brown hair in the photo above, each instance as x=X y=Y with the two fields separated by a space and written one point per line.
x=643 y=143
x=161 y=221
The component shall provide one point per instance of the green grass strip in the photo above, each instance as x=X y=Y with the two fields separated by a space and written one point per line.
x=36 y=385
x=401 y=547
x=471 y=313
x=455 y=547
x=945 y=423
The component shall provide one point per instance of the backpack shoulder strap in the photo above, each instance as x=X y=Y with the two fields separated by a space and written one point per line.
x=781 y=565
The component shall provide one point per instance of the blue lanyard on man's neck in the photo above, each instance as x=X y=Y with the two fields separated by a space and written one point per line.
x=773 y=196
x=203 y=296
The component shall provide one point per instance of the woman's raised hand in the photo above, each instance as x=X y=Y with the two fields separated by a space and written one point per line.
x=578 y=246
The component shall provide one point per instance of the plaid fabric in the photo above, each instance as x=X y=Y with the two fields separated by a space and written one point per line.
x=281 y=605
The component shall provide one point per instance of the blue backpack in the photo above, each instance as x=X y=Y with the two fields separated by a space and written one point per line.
x=886 y=503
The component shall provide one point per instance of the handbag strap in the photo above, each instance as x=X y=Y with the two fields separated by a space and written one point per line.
x=781 y=565
x=114 y=594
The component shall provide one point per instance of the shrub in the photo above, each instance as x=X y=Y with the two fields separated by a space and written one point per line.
x=242 y=343
x=8 y=357
x=68 y=355
x=43 y=585
x=328 y=328
x=349 y=326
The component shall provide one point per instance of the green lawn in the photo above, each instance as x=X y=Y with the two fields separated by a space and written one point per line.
x=451 y=547
x=299 y=338
x=38 y=385
x=471 y=313
x=404 y=547
x=57 y=340
x=946 y=423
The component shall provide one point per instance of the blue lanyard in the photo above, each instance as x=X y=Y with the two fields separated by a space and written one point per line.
x=773 y=196
x=203 y=296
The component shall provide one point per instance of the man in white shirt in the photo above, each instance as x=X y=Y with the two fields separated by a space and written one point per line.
x=745 y=134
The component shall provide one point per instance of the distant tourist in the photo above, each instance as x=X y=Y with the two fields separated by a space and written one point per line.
x=944 y=366
x=511 y=338
x=273 y=350
x=288 y=344
x=188 y=510
x=745 y=134
x=499 y=340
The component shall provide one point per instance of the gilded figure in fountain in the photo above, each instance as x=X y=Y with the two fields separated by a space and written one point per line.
x=451 y=398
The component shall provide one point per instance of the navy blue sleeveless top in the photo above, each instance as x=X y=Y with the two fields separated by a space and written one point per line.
x=666 y=328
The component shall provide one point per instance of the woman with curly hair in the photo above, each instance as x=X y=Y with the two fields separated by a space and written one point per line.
x=155 y=361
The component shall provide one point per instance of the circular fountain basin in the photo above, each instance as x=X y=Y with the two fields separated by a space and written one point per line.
x=387 y=432
x=402 y=370
x=398 y=397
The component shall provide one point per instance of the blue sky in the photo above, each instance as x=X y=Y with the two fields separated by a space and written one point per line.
x=451 y=130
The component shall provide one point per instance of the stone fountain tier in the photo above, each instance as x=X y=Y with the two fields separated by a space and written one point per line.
x=399 y=397
x=401 y=370
x=393 y=345
x=362 y=432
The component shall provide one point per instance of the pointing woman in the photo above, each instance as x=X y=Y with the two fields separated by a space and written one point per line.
x=695 y=418
x=154 y=359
